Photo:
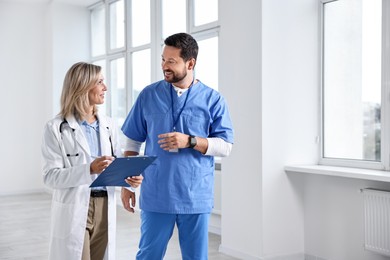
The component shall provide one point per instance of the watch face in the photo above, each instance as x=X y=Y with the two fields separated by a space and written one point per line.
x=193 y=141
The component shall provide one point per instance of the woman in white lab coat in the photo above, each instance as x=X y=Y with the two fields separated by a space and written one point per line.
x=77 y=145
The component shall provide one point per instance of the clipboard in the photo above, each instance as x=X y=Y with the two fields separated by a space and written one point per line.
x=121 y=168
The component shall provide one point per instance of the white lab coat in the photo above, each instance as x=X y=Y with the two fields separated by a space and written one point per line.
x=69 y=177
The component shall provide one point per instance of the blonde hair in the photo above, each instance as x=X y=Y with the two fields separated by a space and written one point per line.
x=79 y=79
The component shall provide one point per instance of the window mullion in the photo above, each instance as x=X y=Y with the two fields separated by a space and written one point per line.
x=129 y=63
x=107 y=45
x=385 y=120
x=190 y=15
x=107 y=25
x=156 y=35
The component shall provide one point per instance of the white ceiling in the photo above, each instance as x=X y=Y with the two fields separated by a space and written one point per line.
x=77 y=2
x=71 y=2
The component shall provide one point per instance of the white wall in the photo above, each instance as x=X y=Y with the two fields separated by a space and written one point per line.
x=24 y=104
x=334 y=227
x=38 y=43
x=70 y=39
x=290 y=116
x=240 y=83
x=271 y=57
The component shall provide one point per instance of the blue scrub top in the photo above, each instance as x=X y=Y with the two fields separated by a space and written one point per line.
x=182 y=182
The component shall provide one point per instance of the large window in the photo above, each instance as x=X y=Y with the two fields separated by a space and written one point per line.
x=355 y=83
x=127 y=38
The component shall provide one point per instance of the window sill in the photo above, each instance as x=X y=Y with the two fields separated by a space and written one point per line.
x=357 y=173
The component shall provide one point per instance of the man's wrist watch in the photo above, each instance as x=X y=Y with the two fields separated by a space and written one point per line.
x=192 y=141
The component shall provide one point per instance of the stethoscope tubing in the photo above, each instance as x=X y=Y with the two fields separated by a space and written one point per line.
x=74 y=140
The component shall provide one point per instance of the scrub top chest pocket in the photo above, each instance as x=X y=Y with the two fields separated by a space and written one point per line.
x=196 y=125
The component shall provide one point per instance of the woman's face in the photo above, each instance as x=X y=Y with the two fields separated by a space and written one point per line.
x=96 y=94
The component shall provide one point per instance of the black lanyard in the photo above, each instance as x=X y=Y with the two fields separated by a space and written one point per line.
x=182 y=108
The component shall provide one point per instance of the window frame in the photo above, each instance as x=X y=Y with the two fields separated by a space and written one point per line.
x=384 y=163
x=193 y=29
x=156 y=44
x=109 y=49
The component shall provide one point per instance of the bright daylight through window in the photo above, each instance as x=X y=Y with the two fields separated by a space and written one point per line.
x=352 y=83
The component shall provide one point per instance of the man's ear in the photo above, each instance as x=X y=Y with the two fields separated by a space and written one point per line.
x=191 y=64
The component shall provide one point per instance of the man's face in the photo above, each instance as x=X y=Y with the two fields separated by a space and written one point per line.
x=173 y=66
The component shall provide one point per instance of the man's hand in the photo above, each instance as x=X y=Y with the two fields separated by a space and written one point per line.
x=176 y=140
x=126 y=197
x=173 y=140
x=134 y=181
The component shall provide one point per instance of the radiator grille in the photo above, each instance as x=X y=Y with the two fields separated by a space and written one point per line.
x=377 y=220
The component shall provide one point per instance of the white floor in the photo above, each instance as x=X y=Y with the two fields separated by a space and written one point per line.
x=24 y=230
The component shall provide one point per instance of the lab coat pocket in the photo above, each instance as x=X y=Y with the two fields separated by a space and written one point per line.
x=64 y=219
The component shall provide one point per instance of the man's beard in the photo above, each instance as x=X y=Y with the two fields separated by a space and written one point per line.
x=176 y=77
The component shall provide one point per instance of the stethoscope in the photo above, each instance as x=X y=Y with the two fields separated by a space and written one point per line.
x=74 y=140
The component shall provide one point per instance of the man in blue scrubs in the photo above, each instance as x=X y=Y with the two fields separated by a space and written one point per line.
x=185 y=124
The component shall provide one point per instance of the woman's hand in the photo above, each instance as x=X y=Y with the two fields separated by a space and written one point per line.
x=100 y=164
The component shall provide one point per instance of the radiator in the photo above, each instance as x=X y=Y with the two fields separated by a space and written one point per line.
x=377 y=221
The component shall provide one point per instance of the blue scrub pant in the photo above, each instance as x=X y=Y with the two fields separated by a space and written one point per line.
x=157 y=229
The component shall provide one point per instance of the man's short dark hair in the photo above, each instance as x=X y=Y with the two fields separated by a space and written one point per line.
x=186 y=43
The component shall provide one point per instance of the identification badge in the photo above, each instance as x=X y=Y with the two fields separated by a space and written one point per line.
x=176 y=150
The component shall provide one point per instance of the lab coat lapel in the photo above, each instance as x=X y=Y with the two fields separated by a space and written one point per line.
x=104 y=130
x=79 y=135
